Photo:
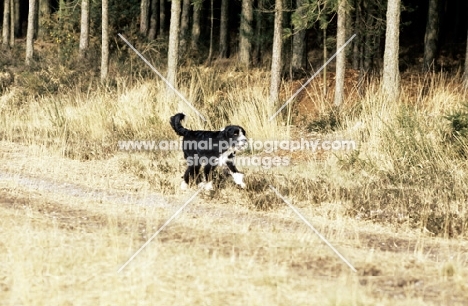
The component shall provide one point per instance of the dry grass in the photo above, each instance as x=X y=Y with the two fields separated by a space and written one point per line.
x=73 y=208
x=69 y=225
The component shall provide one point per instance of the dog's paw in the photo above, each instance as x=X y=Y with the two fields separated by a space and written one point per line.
x=206 y=186
x=184 y=185
x=238 y=179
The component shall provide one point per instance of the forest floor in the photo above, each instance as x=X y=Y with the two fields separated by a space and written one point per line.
x=67 y=226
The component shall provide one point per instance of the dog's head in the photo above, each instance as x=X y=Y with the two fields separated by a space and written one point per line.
x=236 y=136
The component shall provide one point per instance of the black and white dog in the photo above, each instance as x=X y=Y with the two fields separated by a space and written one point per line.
x=210 y=149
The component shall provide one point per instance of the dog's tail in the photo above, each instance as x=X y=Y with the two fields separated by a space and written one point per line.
x=177 y=126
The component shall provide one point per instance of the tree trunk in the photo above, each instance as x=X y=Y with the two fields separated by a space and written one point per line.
x=12 y=23
x=105 y=41
x=44 y=13
x=368 y=43
x=340 y=57
x=153 y=19
x=196 y=25
x=184 y=26
x=358 y=40
x=245 y=35
x=223 y=29
x=298 y=44
x=30 y=32
x=432 y=33
x=276 y=58
x=210 y=50
x=258 y=41
x=325 y=57
x=465 y=74
x=391 y=74
x=84 y=28
x=18 y=31
x=144 y=16
x=173 y=52
x=6 y=23
x=162 y=17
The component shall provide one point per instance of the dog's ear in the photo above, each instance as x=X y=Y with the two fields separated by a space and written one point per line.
x=243 y=131
x=229 y=132
x=233 y=131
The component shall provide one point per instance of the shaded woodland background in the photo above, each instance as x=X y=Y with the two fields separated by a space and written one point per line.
x=58 y=28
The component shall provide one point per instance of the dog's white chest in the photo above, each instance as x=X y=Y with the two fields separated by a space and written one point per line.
x=224 y=158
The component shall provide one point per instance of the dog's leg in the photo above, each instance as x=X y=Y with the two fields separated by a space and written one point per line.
x=192 y=173
x=236 y=175
x=207 y=170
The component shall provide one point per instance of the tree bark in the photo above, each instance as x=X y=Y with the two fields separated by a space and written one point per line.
x=223 y=29
x=465 y=74
x=44 y=13
x=173 y=52
x=196 y=25
x=105 y=40
x=6 y=23
x=357 y=42
x=162 y=17
x=12 y=23
x=144 y=16
x=153 y=19
x=431 y=36
x=245 y=35
x=325 y=58
x=258 y=41
x=184 y=26
x=18 y=31
x=298 y=44
x=210 y=50
x=340 y=57
x=30 y=32
x=84 y=29
x=368 y=48
x=391 y=73
x=276 y=58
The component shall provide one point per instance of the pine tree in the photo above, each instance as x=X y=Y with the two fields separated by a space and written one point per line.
x=432 y=33
x=173 y=53
x=391 y=74
x=144 y=16
x=6 y=23
x=84 y=28
x=276 y=61
x=223 y=29
x=154 y=9
x=105 y=40
x=30 y=32
x=340 y=57
x=245 y=33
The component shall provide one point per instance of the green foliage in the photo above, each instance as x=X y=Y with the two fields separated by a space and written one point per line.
x=63 y=26
x=311 y=12
x=409 y=146
x=62 y=29
x=458 y=133
x=45 y=81
x=327 y=122
x=459 y=121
